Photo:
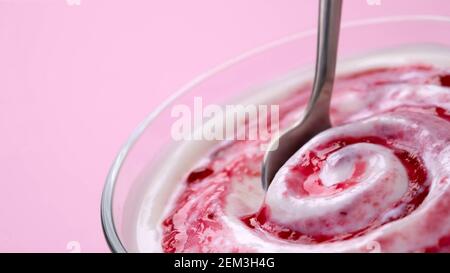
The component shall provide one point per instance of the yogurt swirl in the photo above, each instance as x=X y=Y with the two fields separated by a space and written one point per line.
x=379 y=180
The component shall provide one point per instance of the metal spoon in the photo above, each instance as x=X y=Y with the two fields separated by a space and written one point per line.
x=317 y=115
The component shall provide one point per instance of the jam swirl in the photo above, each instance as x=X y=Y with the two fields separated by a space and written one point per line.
x=380 y=176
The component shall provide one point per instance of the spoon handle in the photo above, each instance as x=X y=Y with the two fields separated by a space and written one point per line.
x=316 y=118
x=327 y=44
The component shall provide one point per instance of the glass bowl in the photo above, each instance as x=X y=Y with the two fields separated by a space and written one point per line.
x=130 y=192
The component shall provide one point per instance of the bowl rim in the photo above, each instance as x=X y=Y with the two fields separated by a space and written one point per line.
x=107 y=198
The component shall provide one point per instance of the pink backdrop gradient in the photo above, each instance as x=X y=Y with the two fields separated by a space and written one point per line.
x=76 y=80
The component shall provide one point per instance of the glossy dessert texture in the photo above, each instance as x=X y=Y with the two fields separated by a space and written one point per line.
x=379 y=180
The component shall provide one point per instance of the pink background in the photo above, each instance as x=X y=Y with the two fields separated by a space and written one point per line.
x=76 y=80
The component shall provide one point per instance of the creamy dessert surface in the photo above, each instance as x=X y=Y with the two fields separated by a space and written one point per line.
x=379 y=180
